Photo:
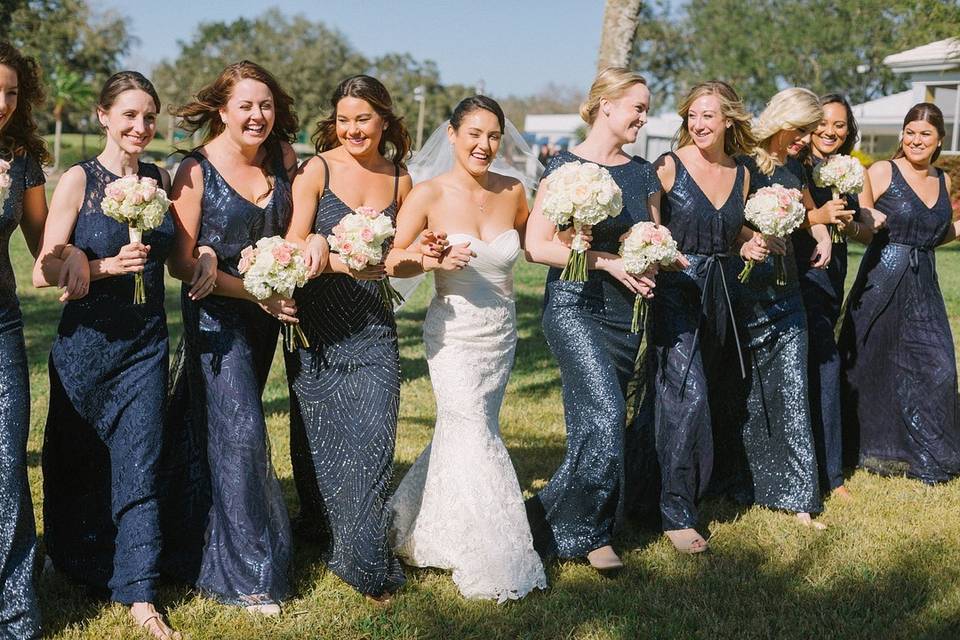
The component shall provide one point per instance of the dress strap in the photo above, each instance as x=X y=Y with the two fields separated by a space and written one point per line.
x=396 y=183
x=326 y=172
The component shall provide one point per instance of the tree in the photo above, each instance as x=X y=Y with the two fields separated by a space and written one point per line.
x=620 y=19
x=68 y=89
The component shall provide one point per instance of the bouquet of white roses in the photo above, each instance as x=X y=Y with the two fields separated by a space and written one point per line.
x=580 y=193
x=359 y=238
x=844 y=175
x=646 y=244
x=141 y=205
x=4 y=183
x=275 y=266
x=774 y=211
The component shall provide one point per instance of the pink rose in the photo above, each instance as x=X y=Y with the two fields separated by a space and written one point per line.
x=337 y=229
x=346 y=247
x=247 y=257
x=283 y=254
x=149 y=192
x=136 y=198
x=368 y=212
x=367 y=235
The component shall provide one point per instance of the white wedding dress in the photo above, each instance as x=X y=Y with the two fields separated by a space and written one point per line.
x=460 y=507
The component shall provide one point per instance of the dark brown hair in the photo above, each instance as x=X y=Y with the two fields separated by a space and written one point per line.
x=20 y=135
x=853 y=131
x=203 y=113
x=376 y=95
x=125 y=81
x=477 y=103
x=925 y=112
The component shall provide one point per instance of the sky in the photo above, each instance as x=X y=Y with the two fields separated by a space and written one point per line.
x=513 y=46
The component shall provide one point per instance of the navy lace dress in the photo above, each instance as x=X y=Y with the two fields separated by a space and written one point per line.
x=899 y=378
x=587 y=327
x=774 y=423
x=344 y=399
x=694 y=339
x=108 y=382
x=19 y=614
x=822 y=292
x=223 y=505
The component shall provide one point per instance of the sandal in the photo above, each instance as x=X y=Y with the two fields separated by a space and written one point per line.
x=687 y=541
x=154 y=624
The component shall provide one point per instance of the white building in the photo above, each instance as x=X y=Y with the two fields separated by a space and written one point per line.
x=933 y=71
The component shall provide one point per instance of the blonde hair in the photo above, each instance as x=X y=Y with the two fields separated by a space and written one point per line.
x=792 y=109
x=738 y=138
x=610 y=83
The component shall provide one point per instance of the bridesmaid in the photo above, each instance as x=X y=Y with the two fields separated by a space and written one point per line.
x=228 y=193
x=587 y=326
x=345 y=388
x=693 y=325
x=25 y=206
x=899 y=375
x=822 y=289
x=775 y=428
x=108 y=369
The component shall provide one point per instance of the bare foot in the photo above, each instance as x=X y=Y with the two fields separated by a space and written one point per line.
x=807 y=521
x=269 y=610
x=843 y=493
x=150 y=620
x=687 y=540
x=382 y=600
x=604 y=559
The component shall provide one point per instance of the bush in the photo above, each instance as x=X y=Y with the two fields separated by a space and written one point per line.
x=951 y=164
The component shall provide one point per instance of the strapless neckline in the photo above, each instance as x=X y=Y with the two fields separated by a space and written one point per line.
x=501 y=235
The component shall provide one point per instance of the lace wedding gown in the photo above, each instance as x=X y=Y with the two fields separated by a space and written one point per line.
x=460 y=507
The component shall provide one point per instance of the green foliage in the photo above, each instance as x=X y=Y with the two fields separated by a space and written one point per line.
x=766 y=45
x=309 y=59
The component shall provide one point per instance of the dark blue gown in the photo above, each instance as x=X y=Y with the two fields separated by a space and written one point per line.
x=587 y=327
x=822 y=293
x=223 y=505
x=344 y=399
x=108 y=382
x=694 y=340
x=899 y=379
x=774 y=422
x=19 y=614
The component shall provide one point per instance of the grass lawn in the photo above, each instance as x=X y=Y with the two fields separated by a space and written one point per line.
x=887 y=567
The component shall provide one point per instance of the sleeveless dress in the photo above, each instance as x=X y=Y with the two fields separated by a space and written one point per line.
x=774 y=423
x=460 y=506
x=344 y=399
x=694 y=340
x=224 y=509
x=587 y=327
x=899 y=377
x=104 y=432
x=19 y=613
x=822 y=293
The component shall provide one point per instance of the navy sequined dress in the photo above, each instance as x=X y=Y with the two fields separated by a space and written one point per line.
x=694 y=340
x=344 y=399
x=899 y=379
x=223 y=507
x=587 y=327
x=822 y=292
x=104 y=431
x=774 y=423
x=19 y=613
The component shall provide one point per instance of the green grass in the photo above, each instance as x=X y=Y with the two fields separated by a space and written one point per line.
x=72 y=148
x=887 y=567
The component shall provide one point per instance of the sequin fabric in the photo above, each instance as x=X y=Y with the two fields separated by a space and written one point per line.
x=774 y=423
x=899 y=379
x=344 y=399
x=108 y=380
x=587 y=327
x=694 y=347
x=223 y=503
x=473 y=524
x=19 y=613
x=822 y=292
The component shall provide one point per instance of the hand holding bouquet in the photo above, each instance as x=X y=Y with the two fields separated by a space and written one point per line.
x=774 y=211
x=274 y=266
x=844 y=175
x=581 y=194
x=4 y=183
x=359 y=239
x=141 y=205
x=645 y=245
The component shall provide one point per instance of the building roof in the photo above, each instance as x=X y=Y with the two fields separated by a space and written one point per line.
x=935 y=56
x=888 y=110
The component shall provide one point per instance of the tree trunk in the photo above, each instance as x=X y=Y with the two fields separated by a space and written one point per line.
x=620 y=18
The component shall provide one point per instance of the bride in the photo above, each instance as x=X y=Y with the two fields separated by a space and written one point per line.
x=460 y=507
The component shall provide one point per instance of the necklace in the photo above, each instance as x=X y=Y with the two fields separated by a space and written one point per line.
x=483 y=201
